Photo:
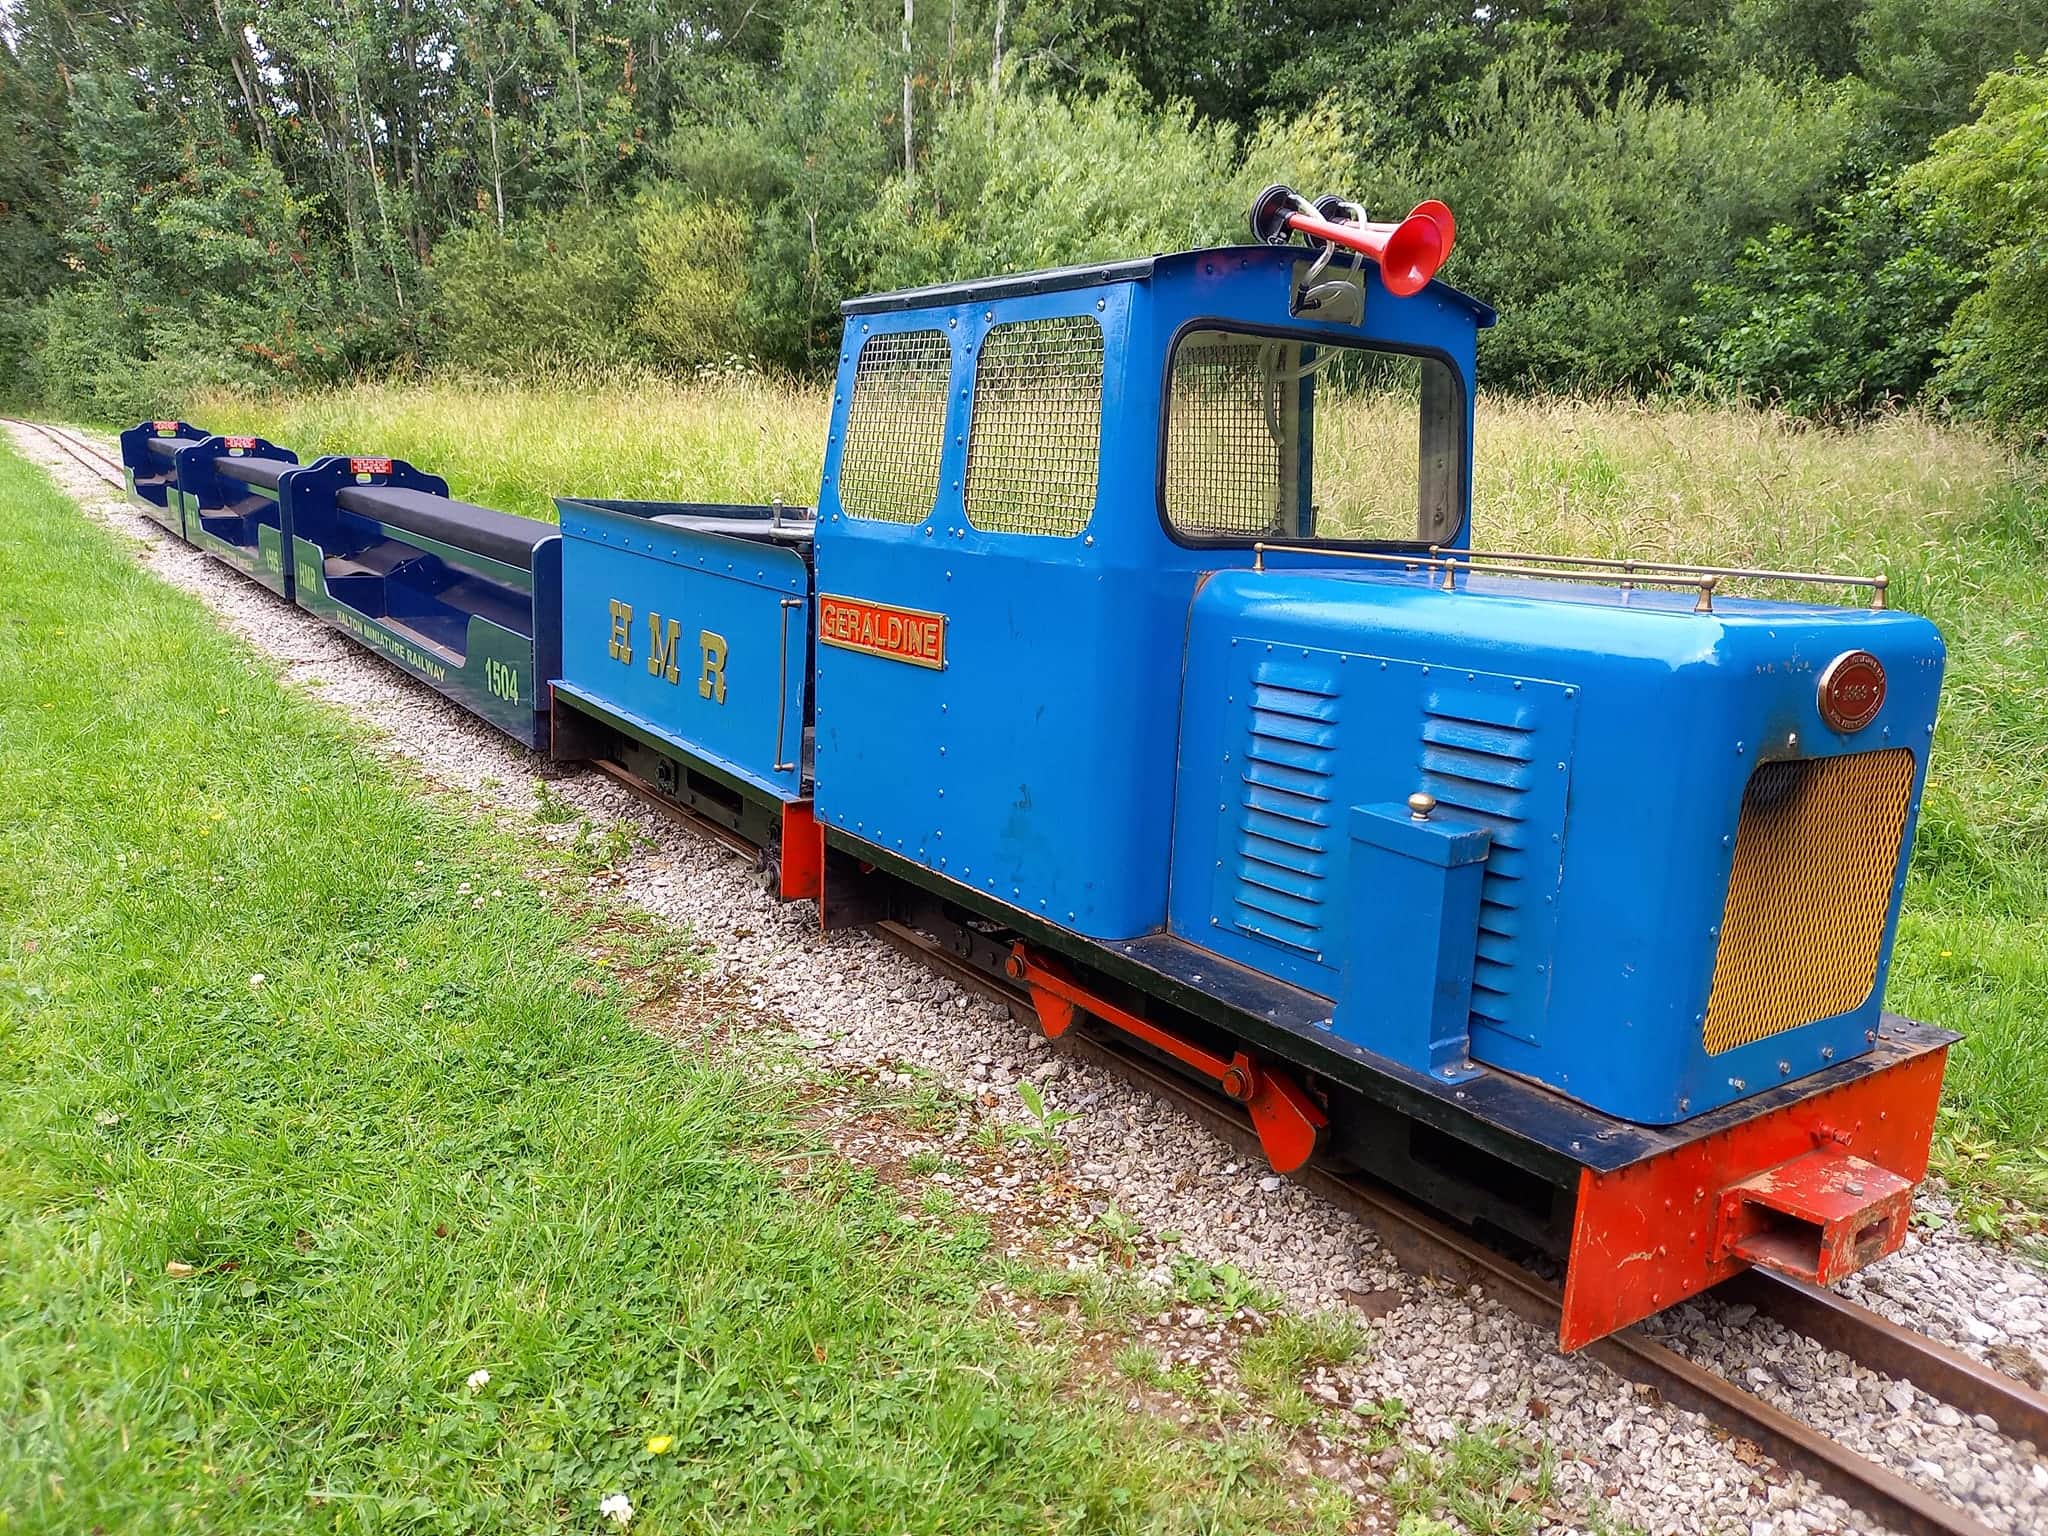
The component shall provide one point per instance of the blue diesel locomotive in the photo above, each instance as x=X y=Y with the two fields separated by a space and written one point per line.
x=1137 y=643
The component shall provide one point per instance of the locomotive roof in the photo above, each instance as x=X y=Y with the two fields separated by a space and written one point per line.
x=1102 y=274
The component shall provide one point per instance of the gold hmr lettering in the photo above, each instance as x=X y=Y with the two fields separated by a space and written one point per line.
x=622 y=631
x=664 y=647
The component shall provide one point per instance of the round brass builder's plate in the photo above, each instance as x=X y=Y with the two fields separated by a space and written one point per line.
x=1852 y=691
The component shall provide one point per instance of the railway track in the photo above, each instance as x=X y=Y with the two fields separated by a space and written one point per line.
x=78 y=448
x=1427 y=1245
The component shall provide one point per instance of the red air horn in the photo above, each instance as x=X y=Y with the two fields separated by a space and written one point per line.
x=1408 y=252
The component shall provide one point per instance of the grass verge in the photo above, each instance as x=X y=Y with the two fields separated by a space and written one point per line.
x=340 y=1190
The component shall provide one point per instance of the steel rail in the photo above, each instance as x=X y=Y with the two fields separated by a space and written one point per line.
x=1427 y=1245
x=78 y=449
x=1874 y=1340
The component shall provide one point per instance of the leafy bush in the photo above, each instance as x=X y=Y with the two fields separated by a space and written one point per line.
x=87 y=339
x=1840 y=320
x=554 y=288
x=1590 y=224
x=102 y=357
x=1994 y=173
x=690 y=308
x=20 y=334
x=1032 y=180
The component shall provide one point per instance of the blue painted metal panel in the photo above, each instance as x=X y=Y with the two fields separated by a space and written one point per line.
x=1293 y=736
x=240 y=524
x=1039 y=764
x=1609 y=764
x=698 y=639
x=1412 y=947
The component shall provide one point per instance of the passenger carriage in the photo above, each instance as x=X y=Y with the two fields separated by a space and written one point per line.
x=228 y=491
x=149 y=452
x=465 y=598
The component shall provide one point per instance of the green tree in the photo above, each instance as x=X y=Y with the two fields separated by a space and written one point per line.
x=1842 y=319
x=1033 y=180
x=1994 y=172
x=32 y=216
x=806 y=150
x=1923 y=62
x=1589 y=224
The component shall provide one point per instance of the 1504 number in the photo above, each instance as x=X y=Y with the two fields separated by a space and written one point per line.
x=502 y=678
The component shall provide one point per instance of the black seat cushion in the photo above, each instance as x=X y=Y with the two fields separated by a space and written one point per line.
x=480 y=530
x=253 y=470
x=167 y=447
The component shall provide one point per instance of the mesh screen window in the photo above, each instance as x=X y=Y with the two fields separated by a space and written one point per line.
x=896 y=427
x=1034 y=450
x=1275 y=438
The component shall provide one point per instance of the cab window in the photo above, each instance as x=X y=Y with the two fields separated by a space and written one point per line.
x=1276 y=437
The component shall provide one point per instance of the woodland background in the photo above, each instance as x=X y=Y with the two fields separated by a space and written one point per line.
x=1832 y=206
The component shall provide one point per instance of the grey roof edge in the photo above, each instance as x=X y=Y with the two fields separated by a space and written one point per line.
x=1013 y=286
x=1094 y=274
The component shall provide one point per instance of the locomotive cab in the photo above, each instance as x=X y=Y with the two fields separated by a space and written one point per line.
x=997 y=477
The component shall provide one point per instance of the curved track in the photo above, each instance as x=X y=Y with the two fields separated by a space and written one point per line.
x=84 y=452
x=1429 y=1246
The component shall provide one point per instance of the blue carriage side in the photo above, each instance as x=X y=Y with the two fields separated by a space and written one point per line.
x=227 y=491
x=463 y=597
x=686 y=659
x=149 y=452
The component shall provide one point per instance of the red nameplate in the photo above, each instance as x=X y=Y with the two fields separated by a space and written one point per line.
x=881 y=629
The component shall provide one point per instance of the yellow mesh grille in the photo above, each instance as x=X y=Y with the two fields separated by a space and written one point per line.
x=1815 y=853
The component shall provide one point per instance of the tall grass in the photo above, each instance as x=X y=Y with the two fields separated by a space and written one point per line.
x=517 y=447
x=1566 y=474
x=1955 y=523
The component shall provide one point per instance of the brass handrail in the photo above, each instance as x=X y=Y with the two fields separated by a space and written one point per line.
x=1632 y=566
x=1414 y=562
x=1447 y=561
x=1704 y=585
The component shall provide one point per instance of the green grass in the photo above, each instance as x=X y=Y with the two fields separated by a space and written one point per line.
x=1489 y=1481
x=314 y=1107
x=1272 y=1364
x=1961 y=529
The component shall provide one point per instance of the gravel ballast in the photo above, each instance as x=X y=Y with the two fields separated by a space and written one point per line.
x=1454 y=1358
